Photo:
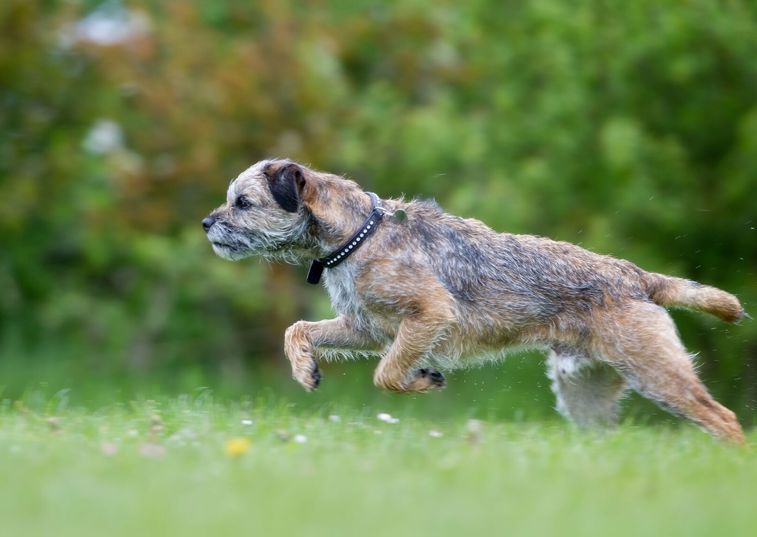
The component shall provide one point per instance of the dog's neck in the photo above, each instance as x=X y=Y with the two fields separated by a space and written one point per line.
x=336 y=219
x=325 y=227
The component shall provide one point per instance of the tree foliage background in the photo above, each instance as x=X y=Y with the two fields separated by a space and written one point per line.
x=627 y=127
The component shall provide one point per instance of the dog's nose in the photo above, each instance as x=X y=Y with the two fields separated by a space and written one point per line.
x=207 y=223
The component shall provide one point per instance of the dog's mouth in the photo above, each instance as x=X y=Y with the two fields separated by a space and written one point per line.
x=222 y=239
x=229 y=251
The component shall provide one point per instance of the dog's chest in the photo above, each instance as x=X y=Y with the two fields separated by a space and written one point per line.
x=340 y=284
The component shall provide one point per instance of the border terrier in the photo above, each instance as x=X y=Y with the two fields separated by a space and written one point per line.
x=428 y=291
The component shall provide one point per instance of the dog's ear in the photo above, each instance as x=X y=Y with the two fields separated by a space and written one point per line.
x=287 y=183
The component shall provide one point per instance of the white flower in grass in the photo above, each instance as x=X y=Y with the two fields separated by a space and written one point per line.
x=387 y=418
x=333 y=418
x=300 y=438
x=473 y=430
x=247 y=422
x=182 y=437
x=435 y=434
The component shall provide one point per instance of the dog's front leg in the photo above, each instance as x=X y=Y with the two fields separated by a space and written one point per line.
x=415 y=337
x=303 y=337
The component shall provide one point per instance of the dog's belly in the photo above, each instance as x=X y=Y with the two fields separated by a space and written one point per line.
x=467 y=346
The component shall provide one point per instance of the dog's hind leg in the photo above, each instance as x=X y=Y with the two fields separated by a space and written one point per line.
x=641 y=341
x=587 y=392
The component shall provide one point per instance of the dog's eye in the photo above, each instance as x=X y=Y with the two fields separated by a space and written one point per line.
x=243 y=202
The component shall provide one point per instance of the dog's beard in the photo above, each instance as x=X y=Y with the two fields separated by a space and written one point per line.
x=230 y=252
x=233 y=244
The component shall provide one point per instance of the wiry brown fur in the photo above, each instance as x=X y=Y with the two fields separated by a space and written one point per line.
x=434 y=291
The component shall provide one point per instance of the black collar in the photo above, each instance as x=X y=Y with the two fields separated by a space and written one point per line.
x=352 y=244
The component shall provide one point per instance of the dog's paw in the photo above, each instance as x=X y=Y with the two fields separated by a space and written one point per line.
x=424 y=380
x=308 y=376
x=435 y=377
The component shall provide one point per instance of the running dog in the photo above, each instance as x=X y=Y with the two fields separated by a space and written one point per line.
x=429 y=291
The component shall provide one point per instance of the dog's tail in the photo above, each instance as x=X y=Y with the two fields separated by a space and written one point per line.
x=678 y=292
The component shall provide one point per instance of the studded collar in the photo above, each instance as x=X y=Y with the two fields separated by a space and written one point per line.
x=353 y=243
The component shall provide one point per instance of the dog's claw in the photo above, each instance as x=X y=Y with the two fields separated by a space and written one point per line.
x=433 y=379
x=315 y=376
x=309 y=378
x=437 y=379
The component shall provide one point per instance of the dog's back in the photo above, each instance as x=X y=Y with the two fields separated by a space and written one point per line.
x=534 y=279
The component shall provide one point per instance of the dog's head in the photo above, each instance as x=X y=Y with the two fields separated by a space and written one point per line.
x=265 y=213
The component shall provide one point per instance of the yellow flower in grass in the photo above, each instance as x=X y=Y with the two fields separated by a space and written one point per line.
x=236 y=447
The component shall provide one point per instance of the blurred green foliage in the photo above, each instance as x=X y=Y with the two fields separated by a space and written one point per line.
x=627 y=127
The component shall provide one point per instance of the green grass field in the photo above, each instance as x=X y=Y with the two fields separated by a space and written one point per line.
x=279 y=463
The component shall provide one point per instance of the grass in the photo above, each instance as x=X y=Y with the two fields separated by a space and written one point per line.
x=161 y=467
